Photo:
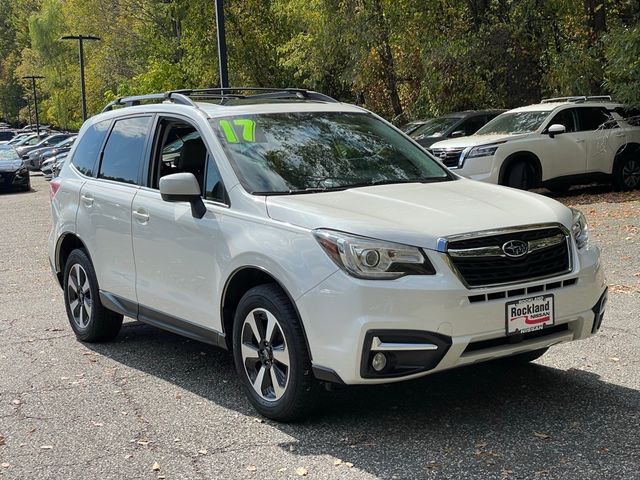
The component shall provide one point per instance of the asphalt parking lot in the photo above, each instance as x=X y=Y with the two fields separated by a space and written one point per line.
x=154 y=405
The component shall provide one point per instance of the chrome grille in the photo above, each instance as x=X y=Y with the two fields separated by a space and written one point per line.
x=448 y=156
x=483 y=260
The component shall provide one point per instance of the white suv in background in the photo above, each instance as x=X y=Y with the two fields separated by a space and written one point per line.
x=311 y=238
x=557 y=143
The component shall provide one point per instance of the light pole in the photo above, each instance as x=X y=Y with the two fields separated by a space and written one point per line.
x=29 y=106
x=81 y=39
x=222 y=44
x=33 y=79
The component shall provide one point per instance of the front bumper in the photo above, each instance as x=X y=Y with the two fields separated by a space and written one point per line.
x=15 y=179
x=479 y=168
x=340 y=314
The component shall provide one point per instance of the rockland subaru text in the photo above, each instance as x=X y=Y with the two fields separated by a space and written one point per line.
x=311 y=238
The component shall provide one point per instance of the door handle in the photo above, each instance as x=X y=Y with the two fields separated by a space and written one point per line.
x=619 y=134
x=141 y=216
x=87 y=200
x=579 y=140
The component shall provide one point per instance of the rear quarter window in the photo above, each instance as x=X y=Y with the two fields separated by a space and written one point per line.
x=86 y=153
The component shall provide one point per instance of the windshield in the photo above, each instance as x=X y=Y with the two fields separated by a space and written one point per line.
x=22 y=140
x=67 y=142
x=317 y=151
x=411 y=127
x=32 y=141
x=514 y=122
x=8 y=153
x=436 y=127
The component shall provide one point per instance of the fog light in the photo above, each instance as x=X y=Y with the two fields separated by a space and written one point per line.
x=379 y=362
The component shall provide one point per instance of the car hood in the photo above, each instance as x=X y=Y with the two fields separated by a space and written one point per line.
x=474 y=140
x=38 y=151
x=10 y=165
x=418 y=214
x=24 y=150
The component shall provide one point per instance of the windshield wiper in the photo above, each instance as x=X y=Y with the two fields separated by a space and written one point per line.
x=371 y=183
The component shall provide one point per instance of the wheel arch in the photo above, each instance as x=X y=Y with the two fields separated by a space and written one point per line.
x=523 y=155
x=626 y=149
x=67 y=243
x=239 y=282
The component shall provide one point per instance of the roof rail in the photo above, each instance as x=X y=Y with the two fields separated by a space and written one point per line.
x=261 y=92
x=173 y=97
x=187 y=96
x=578 y=99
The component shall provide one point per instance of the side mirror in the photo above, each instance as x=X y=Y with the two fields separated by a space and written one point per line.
x=556 y=129
x=458 y=133
x=183 y=187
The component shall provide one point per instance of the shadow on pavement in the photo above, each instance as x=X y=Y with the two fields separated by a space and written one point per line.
x=586 y=195
x=487 y=421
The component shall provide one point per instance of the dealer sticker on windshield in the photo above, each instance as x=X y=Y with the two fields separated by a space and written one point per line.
x=529 y=314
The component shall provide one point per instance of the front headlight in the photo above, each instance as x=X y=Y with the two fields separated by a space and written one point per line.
x=372 y=259
x=482 y=151
x=579 y=229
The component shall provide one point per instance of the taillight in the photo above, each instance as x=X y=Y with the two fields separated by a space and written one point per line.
x=54 y=186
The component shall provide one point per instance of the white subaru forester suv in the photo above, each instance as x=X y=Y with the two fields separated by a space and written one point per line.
x=557 y=143
x=314 y=240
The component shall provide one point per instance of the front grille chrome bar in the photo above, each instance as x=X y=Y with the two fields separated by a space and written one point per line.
x=491 y=251
x=496 y=251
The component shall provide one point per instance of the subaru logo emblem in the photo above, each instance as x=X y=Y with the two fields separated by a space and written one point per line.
x=515 y=248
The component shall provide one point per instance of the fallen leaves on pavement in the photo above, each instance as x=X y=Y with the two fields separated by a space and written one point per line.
x=627 y=289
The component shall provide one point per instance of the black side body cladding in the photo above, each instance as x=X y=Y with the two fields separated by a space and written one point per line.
x=162 y=320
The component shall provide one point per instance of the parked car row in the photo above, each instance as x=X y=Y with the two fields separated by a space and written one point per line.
x=48 y=147
x=51 y=166
x=557 y=143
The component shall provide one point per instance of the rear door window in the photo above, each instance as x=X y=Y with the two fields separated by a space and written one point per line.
x=86 y=153
x=593 y=118
x=472 y=125
x=124 y=150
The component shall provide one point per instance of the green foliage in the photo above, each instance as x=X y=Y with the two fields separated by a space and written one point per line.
x=404 y=59
x=622 y=74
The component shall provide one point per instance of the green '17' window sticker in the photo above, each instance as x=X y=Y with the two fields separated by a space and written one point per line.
x=239 y=130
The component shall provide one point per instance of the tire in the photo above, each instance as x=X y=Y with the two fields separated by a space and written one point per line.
x=626 y=173
x=89 y=319
x=527 y=357
x=520 y=175
x=297 y=389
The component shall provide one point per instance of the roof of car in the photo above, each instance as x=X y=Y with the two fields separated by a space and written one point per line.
x=550 y=106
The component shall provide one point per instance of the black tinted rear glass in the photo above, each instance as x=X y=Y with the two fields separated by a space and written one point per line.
x=89 y=145
x=594 y=118
x=124 y=150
